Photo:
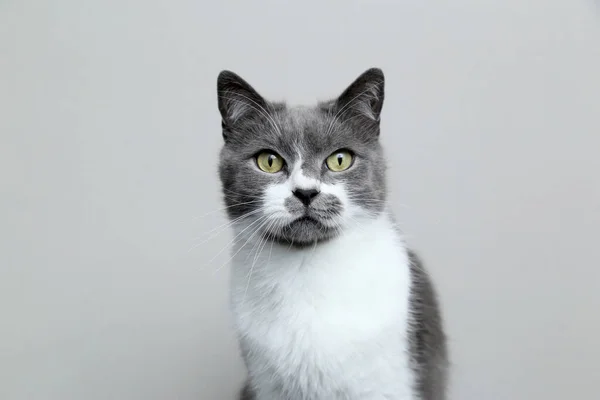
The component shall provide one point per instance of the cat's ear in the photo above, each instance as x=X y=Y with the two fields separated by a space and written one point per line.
x=237 y=99
x=364 y=97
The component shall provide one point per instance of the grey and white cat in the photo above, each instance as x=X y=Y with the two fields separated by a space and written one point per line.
x=328 y=302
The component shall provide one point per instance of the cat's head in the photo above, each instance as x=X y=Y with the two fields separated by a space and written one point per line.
x=301 y=175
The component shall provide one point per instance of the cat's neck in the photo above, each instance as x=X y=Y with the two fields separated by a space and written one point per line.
x=365 y=247
x=250 y=244
x=366 y=268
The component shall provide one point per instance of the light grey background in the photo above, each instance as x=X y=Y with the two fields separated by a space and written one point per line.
x=108 y=148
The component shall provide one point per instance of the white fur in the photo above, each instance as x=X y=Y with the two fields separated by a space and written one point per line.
x=300 y=181
x=326 y=318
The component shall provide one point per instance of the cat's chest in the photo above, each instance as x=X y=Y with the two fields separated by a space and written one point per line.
x=355 y=283
x=336 y=315
x=326 y=309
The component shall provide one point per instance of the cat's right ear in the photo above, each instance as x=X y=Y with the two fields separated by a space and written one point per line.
x=364 y=97
x=237 y=99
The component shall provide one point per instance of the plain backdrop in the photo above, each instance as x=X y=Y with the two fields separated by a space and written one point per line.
x=108 y=149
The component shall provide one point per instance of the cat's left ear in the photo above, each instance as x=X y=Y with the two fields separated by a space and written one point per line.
x=364 y=97
x=237 y=99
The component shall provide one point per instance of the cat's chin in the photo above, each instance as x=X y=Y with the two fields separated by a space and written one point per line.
x=304 y=232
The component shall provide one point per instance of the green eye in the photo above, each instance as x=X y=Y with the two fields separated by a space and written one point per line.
x=339 y=161
x=269 y=162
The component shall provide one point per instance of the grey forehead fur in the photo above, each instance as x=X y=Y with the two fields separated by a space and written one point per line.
x=251 y=124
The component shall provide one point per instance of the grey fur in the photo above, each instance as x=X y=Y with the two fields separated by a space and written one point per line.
x=429 y=352
x=252 y=124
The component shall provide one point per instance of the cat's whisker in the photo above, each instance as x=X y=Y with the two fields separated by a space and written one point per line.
x=229 y=197
x=257 y=244
x=231 y=222
x=236 y=193
x=358 y=197
x=256 y=257
x=225 y=208
x=370 y=201
x=357 y=224
x=270 y=252
x=222 y=228
x=233 y=241
x=266 y=220
x=273 y=217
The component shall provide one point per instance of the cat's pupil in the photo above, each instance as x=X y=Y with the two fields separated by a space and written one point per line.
x=340 y=158
x=271 y=157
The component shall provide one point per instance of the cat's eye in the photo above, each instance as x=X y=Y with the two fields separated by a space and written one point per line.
x=339 y=161
x=269 y=161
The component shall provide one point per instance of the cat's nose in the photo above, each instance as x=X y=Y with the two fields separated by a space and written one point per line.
x=306 y=195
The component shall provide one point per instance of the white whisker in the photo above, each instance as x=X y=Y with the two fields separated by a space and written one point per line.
x=262 y=218
x=225 y=208
x=256 y=257
x=265 y=220
x=221 y=229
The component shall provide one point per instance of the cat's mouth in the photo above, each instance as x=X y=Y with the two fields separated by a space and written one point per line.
x=304 y=231
x=307 y=219
x=307 y=225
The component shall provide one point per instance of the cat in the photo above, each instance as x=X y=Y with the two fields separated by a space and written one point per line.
x=328 y=303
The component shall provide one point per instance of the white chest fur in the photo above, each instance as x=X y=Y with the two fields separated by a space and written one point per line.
x=328 y=321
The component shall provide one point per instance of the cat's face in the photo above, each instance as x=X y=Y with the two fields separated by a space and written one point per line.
x=301 y=175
